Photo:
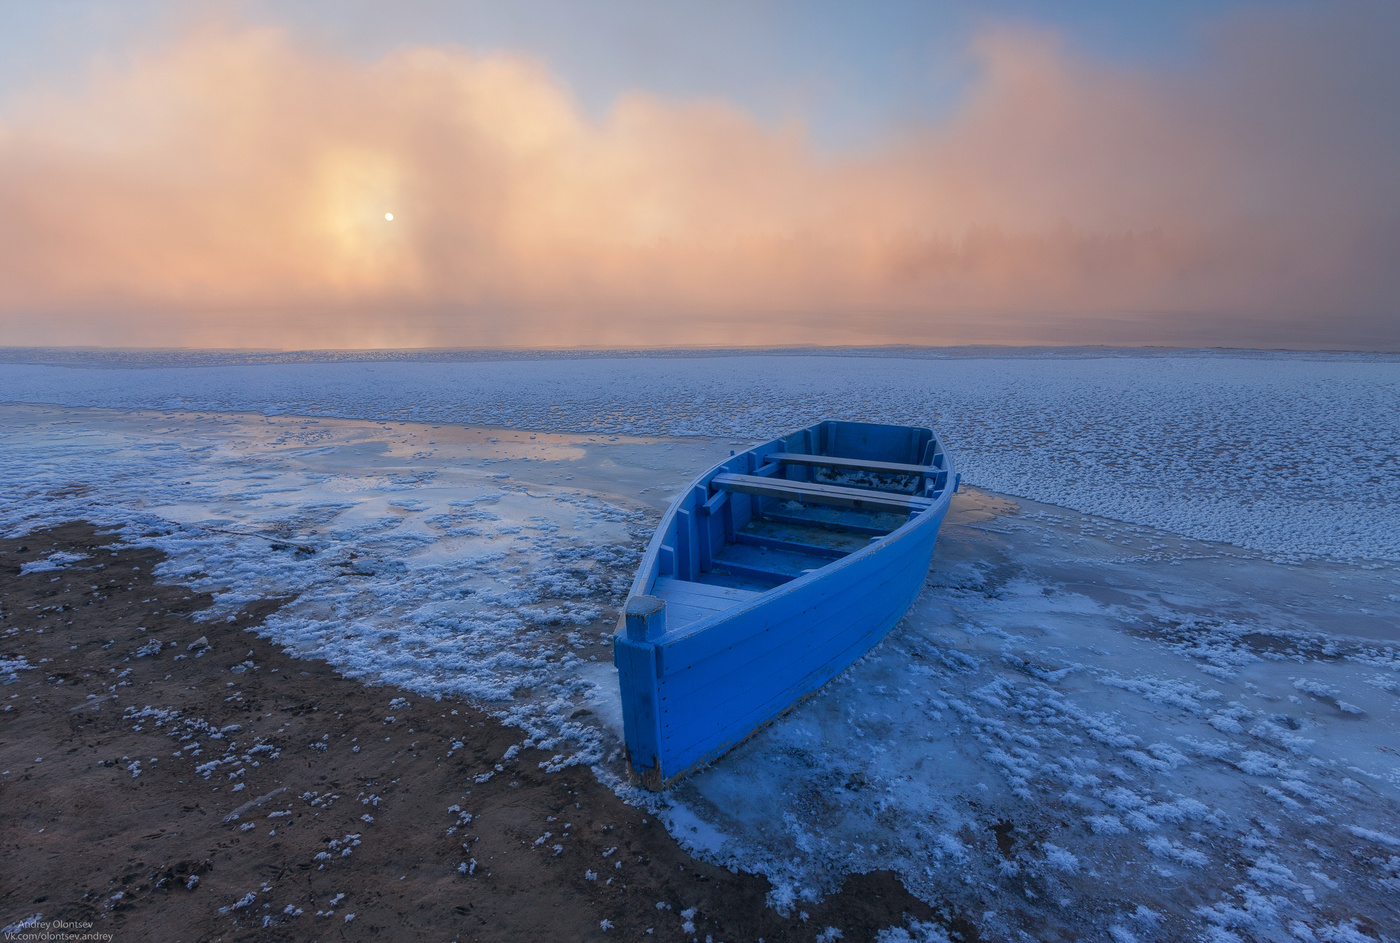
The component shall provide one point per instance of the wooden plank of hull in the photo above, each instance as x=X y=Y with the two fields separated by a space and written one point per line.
x=686 y=711
x=841 y=524
x=853 y=576
x=706 y=709
x=717 y=685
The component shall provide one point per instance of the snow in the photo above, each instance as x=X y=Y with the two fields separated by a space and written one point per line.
x=59 y=560
x=1149 y=691
x=19 y=926
x=11 y=667
x=916 y=931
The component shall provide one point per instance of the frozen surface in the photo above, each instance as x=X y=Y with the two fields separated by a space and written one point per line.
x=481 y=563
x=1154 y=698
x=1089 y=729
x=1291 y=454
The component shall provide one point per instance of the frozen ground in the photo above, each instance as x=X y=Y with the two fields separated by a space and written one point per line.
x=1160 y=704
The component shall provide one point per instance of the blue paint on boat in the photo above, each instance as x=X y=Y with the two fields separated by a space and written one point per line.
x=771 y=573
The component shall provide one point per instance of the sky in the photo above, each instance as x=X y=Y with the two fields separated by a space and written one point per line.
x=660 y=173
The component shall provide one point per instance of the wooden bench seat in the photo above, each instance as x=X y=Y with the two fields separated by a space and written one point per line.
x=688 y=602
x=852 y=464
x=814 y=493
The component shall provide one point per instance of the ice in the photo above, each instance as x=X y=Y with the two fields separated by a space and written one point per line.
x=58 y=560
x=1149 y=690
x=395 y=563
x=19 y=926
x=915 y=931
x=1378 y=837
x=1292 y=454
x=964 y=755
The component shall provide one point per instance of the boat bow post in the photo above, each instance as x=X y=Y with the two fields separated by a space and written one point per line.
x=634 y=653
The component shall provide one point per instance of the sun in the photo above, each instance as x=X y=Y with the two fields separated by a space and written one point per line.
x=389 y=217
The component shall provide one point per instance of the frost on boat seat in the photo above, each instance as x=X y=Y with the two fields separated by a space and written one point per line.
x=813 y=493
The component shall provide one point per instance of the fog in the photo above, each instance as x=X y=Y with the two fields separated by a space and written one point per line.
x=230 y=189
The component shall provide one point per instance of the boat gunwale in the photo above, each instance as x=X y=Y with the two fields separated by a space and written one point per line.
x=644 y=581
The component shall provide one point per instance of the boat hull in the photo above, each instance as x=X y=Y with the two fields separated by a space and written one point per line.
x=693 y=691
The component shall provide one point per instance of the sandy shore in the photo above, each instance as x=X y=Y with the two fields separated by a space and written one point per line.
x=165 y=778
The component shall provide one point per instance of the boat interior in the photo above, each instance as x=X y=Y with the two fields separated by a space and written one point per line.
x=794 y=505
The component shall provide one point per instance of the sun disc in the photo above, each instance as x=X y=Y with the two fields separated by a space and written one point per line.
x=389 y=217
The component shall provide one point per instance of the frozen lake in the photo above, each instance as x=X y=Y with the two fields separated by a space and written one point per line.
x=1149 y=692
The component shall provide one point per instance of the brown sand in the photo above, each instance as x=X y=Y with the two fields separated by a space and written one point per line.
x=341 y=810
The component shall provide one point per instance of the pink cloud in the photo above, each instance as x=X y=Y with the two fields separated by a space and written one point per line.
x=231 y=191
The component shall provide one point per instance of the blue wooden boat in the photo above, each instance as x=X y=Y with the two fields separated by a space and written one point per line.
x=771 y=573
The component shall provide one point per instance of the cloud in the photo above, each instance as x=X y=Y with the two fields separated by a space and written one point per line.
x=230 y=190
